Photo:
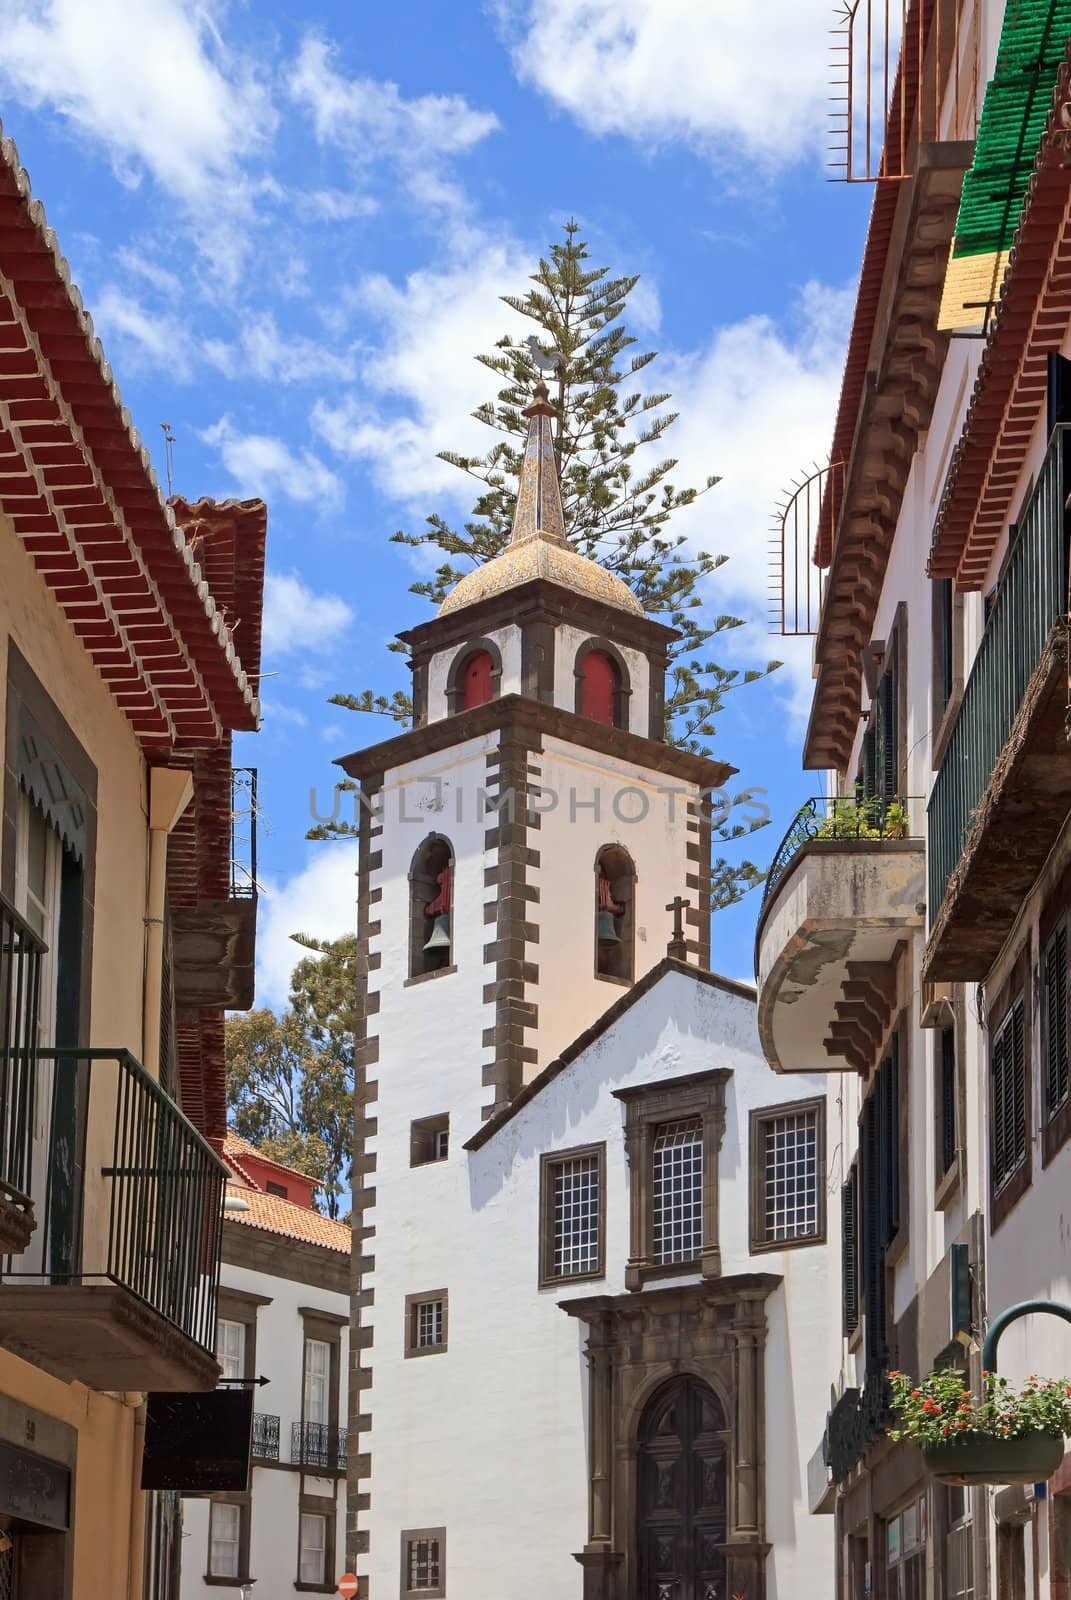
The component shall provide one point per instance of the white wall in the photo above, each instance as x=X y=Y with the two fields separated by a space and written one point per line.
x=488 y=1439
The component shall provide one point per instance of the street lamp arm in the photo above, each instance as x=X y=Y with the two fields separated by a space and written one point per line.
x=1025 y=1308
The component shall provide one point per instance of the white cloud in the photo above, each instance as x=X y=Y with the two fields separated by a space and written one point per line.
x=295 y=618
x=419 y=386
x=373 y=123
x=734 y=80
x=150 y=80
x=149 y=338
x=264 y=351
x=320 y=900
x=262 y=465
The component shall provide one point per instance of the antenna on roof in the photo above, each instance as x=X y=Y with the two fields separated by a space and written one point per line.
x=169 y=457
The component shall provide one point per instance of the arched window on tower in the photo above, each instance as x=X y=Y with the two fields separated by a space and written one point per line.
x=615 y=914
x=601 y=685
x=431 y=907
x=474 y=677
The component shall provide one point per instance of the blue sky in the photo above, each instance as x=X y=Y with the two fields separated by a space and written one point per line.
x=291 y=228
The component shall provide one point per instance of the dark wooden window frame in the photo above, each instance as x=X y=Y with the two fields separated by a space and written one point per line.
x=647 y=1108
x=245 y=1507
x=548 y=1163
x=412 y=1302
x=943 y=711
x=849 y=1252
x=761 y=1116
x=455 y=688
x=1007 y=1189
x=319 y=1506
x=422 y=1136
x=623 y=687
x=411 y=1536
x=1055 y=931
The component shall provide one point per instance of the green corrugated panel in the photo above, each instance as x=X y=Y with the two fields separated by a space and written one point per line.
x=1033 y=43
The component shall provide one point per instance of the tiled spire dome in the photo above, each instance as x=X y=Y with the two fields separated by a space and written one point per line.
x=537 y=545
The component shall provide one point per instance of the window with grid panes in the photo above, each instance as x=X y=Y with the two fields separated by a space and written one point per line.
x=959 y=1545
x=423 y=1566
x=1055 y=977
x=317 y=1381
x=906 y=1553
x=429 y=1324
x=224 y=1540
x=1008 y=1075
x=230 y=1348
x=790 y=1176
x=312 y=1562
x=677 y=1191
x=572 y=1221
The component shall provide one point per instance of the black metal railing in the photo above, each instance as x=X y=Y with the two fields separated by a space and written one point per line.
x=836 y=817
x=265 y=1437
x=1031 y=597
x=314 y=1444
x=243 y=833
x=21 y=954
x=130 y=1193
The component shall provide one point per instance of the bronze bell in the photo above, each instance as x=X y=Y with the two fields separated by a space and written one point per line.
x=607 y=929
x=439 y=938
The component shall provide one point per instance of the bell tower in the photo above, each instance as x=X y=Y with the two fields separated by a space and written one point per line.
x=523 y=842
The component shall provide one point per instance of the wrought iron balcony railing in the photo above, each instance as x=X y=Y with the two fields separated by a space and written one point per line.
x=265 y=1437
x=243 y=833
x=21 y=952
x=1032 y=596
x=126 y=1190
x=314 y=1444
x=832 y=817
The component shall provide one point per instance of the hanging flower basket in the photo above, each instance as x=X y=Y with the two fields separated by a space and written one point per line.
x=973 y=1457
x=1007 y=1435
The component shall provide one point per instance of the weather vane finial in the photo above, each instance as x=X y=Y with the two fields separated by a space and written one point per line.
x=546 y=364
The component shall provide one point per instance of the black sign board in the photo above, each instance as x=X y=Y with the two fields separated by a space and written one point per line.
x=34 y=1489
x=198 y=1443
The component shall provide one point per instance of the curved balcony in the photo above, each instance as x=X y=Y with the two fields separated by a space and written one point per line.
x=846 y=887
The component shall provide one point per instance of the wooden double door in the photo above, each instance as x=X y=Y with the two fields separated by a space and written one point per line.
x=681 y=1494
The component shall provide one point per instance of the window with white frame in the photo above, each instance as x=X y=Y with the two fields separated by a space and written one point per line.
x=572 y=1214
x=230 y=1348
x=905 y=1553
x=312 y=1563
x=787 y=1175
x=317 y=1382
x=959 y=1545
x=224 y=1540
x=424 y=1562
x=426 y=1323
x=677 y=1191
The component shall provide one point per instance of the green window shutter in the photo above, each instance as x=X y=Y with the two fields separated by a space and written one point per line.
x=1055 y=1014
x=888 y=774
x=1008 y=1071
x=1018 y=1097
x=946 y=1067
x=849 y=1251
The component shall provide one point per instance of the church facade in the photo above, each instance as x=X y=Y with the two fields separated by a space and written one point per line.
x=591 y=1235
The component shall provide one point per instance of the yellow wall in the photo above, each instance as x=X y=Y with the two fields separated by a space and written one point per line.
x=105 y=1424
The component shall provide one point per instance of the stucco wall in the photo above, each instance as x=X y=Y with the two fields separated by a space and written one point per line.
x=488 y=1439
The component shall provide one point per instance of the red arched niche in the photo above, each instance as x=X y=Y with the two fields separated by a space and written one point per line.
x=476 y=681
x=598 y=687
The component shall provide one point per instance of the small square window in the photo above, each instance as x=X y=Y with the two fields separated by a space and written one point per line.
x=424 y=1563
x=429 y=1140
x=426 y=1323
x=572 y=1223
x=788 y=1175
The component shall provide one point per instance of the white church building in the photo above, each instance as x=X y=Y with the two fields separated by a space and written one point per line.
x=595 y=1262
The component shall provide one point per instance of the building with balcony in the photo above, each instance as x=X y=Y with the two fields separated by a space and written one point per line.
x=123 y=842
x=283 y=1316
x=927 y=961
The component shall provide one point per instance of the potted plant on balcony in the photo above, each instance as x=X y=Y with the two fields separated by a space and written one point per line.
x=1008 y=1435
x=865 y=817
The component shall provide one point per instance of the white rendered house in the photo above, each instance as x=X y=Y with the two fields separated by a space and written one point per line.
x=283 y=1315
x=590 y=1224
